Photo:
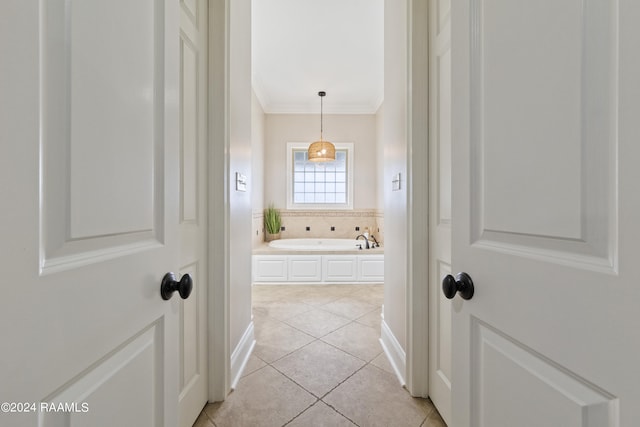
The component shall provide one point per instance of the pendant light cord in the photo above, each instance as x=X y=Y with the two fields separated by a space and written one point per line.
x=321 y=117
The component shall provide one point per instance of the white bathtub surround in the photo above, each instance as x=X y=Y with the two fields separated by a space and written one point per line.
x=317 y=244
x=335 y=224
x=317 y=261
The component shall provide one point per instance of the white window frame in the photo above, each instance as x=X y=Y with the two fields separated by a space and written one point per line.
x=348 y=146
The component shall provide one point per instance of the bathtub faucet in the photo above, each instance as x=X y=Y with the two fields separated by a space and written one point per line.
x=366 y=241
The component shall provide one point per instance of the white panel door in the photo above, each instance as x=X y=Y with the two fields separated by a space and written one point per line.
x=193 y=208
x=89 y=224
x=439 y=204
x=546 y=101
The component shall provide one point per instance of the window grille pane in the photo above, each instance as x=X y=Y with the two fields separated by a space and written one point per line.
x=323 y=183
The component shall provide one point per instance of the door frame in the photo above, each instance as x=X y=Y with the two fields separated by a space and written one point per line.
x=417 y=319
x=218 y=309
x=417 y=304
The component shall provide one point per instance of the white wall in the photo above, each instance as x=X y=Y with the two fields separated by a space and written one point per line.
x=240 y=144
x=357 y=128
x=394 y=140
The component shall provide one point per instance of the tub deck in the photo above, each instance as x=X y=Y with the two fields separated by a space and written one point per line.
x=265 y=249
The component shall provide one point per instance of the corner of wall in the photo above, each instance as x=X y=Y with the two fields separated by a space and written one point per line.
x=394 y=352
x=240 y=355
x=257 y=227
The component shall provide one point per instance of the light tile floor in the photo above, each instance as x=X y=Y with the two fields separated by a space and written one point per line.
x=318 y=362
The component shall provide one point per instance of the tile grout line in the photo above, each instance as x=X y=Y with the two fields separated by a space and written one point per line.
x=315 y=339
x=320 y=399
x=290 y=302
x=302 y=412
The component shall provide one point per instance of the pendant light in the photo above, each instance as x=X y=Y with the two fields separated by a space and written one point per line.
x=321 y=151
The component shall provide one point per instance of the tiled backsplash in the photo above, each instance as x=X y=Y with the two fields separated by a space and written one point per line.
x=336 y=224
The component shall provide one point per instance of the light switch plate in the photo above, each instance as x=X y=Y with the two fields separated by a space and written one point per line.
x=241 y=182
x=395 y=182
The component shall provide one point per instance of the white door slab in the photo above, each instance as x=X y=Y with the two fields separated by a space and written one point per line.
x=89 y=172
x=193 y=208
x=439 y=204
x=546 y=102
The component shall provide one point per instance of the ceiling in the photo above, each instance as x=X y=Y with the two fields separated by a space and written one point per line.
x=300 y=47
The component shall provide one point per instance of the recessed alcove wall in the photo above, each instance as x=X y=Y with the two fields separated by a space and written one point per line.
x=321 y=222
x=272 y=132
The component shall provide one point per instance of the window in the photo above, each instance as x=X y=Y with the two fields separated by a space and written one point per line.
x=319 y=185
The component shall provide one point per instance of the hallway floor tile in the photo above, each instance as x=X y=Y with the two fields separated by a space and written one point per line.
x=318 y=362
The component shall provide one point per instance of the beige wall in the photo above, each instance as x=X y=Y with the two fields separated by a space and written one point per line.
x=345 y=224
x=380 y=182
x=359 y=129
x=257 y=153
x=257 y=169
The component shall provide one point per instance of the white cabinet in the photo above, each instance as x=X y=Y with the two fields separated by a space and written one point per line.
x=270 y=268
x=318 y=268
x=371 y=268
x=340 y=268
x=305 y=268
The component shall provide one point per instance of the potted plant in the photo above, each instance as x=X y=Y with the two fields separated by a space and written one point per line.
x=272 y=223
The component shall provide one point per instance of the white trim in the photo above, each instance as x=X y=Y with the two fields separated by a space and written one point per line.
x=218 y=300
x=218 y=307
x=417 y=182
x=241 y=354
x=312 y=107
x=394 y=352
x=349 y=146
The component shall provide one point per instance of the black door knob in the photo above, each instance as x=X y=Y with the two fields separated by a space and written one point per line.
x=461 y=283
x=169 y=285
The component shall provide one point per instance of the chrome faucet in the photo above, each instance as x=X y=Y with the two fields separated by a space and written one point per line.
x=366 y=241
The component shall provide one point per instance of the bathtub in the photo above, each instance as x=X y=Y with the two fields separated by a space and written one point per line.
x=318 y=260
x=317 y=244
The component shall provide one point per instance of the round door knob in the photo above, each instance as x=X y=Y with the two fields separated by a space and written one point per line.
x=461 y=283
x=169 y=285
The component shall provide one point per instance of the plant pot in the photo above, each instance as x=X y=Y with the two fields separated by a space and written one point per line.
x=269 y=237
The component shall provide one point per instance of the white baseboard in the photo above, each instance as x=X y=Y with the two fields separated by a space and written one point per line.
x=241 y=354
x=394 y=352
